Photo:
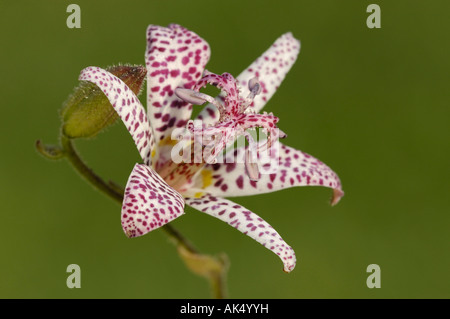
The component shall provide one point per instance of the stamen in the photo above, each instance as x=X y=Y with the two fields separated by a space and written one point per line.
x=272 y=136
x=255 y=88
x=189 y=96
x=235 y=116
x=251 y=165
x=251 y=169
x=197 y=98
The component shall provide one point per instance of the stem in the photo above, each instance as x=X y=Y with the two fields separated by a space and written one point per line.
x=219 y=280
x=87 y=173
x=218 y=287
x=112 y=190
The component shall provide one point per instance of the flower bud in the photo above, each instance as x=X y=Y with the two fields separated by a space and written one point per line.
x=88 y=111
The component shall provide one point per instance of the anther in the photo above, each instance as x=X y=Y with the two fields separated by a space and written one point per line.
x=189 y=96
x=197 y=98
x=254 y=86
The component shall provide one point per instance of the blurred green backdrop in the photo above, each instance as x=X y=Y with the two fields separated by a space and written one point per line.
x=371 y=103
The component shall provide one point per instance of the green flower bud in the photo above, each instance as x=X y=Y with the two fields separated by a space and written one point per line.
x=88 y=111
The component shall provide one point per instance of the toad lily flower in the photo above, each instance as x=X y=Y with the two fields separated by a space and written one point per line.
x=158 y=189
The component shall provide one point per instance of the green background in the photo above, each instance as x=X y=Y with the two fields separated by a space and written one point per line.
x=371 y=103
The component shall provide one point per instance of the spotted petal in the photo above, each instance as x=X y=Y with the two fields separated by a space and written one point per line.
x=248 y=223
x=175 y=57
x=149 y=202
x=294 y=168
x=126 y=104
x=270 y=69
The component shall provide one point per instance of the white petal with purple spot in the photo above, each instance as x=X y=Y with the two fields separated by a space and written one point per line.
x=149 y=202
x=294 y=168
x=248 y=223
x=175 y=57
x=127 y=105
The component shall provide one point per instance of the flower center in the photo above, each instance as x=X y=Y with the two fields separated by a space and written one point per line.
x=236 y=117
x=230 y=104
